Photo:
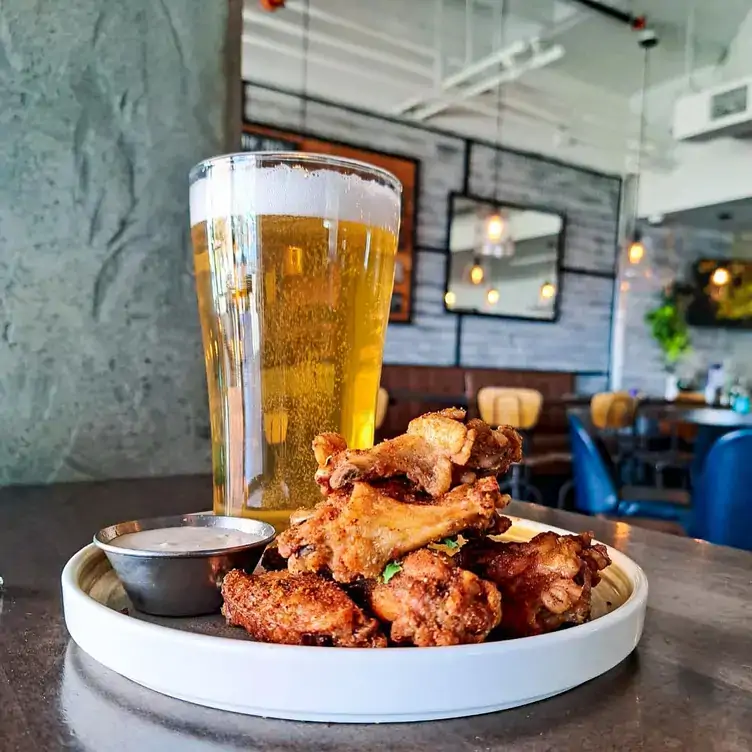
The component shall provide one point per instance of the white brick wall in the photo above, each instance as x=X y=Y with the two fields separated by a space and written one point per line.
x=579 y=340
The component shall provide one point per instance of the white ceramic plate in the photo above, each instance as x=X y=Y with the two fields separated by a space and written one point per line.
x=203 y=662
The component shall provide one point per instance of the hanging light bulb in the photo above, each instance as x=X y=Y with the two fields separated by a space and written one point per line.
x=492 y=296
x=476 y=273
x=495 y=228
x=450 y=299
x=720 y=277
x=547 y=291
x=636 y=250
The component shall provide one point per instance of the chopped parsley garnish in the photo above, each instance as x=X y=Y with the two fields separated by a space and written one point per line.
x=450 y=543
x=390 y=570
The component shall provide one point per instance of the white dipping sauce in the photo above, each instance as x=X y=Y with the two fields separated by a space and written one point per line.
x=185 y=539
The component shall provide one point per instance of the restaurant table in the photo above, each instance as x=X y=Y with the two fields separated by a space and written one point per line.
x=688 y=686
x=715 y=417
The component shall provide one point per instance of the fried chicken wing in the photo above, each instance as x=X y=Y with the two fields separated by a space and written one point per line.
x=544 y=583
x=438 y=451
x=446 y=432
x=297 y=609
x=431 y=601
x=357 y=537
x=424 y=465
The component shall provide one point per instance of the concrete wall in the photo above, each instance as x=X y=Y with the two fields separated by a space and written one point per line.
x=579 y=341
x=104 y=107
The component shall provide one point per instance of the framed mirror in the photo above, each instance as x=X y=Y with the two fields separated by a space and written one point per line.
x=504 y=259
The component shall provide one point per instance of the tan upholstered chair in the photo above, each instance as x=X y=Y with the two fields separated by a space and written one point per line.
x=613 y=410
x=519 y=408
x=382 y=403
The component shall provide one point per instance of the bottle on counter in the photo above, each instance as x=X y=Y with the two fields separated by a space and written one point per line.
x=740 y=401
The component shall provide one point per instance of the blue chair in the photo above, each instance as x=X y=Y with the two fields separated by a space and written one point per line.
x=596 y=489
x=723 y=498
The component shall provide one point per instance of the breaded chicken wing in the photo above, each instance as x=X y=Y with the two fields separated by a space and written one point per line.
x=544 y=583
x=431 y=601
x=357 y=535
x=297 y=609
x=438 y=451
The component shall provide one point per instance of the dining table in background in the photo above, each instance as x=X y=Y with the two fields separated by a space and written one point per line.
x=688 y=686
x=712 y=423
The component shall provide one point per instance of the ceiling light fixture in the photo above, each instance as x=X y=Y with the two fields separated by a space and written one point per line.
x=496 y=240
x=636 y=250
x=648 y=40
x=495 y=228
x=720 y=277
x=492 y=296
x=450 y=299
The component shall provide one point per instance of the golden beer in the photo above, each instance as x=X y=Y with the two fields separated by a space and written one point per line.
x=293 y=311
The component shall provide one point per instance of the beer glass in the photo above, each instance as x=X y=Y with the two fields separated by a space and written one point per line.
x=294 y=258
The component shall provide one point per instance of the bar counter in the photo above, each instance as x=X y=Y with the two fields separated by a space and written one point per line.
x=688 y=686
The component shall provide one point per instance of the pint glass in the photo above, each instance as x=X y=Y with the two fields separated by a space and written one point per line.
x=294 y=258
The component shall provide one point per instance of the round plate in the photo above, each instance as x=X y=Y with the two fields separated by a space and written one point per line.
x=203 y=661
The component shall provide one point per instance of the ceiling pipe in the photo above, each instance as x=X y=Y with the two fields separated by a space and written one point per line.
x=326 y=61
x=634 y=22
x=254 y=18
x=362 y=29
x=540 y=60
x=480 y=66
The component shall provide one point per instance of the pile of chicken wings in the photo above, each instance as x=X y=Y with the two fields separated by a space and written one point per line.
x=403 y=549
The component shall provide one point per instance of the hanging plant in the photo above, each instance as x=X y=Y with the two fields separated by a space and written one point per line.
x=668 y=325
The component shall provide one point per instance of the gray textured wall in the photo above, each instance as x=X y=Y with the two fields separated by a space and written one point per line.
x=579 y=341
x=670 y=253
x=103 y=109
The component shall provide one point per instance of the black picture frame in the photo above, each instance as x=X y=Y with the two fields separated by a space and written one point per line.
x=560 y=247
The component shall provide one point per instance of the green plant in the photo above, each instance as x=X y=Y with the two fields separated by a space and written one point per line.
x=668 y=325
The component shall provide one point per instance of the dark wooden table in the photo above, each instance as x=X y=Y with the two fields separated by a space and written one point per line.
x=687 y=687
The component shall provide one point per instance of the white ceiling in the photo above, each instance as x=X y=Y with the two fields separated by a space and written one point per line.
x=732 y=216
x=581 y=108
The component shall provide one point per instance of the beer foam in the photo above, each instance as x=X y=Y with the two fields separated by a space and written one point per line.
x=239 y=188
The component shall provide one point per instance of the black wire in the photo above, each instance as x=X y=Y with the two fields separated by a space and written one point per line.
x=643 y=126
x=304 y=46
x=499 y=108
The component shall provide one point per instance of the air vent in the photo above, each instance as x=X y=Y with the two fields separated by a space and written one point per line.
x=724 y=110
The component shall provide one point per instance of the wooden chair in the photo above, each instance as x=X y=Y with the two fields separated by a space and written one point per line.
x=613 y=415
x=382 y=403
x=519 y=408
x=613 y=410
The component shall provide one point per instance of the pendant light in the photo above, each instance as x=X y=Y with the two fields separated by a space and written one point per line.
x=636 y=248
x=492 y=296
x=294 y=256
x=496 y=240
